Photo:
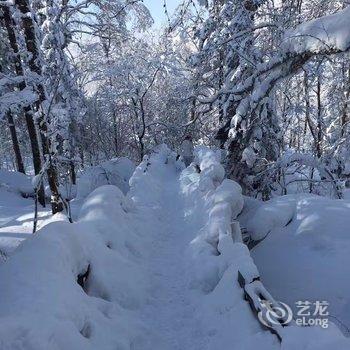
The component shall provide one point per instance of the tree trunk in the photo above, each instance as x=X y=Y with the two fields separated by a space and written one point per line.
x=345 y=111
x=319 y=120
x=115 y=133
x=73 y=175
x=34 y=65
x=34 y=143
x=15 y=144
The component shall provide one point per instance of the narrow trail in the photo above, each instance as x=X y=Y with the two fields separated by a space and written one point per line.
x=169 y=312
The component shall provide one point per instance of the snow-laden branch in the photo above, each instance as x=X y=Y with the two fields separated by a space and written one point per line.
x=325 y=35
x=309 y=161
x=328 y=33
x=17 y=99
x=10 y=80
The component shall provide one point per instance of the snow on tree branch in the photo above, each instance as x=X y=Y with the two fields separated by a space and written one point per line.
x=326 y=34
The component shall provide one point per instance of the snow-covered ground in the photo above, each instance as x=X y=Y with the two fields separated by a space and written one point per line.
x=305 y=255
x=16 y=219
x=16 y=212
x=154 y=269
x=194 y=301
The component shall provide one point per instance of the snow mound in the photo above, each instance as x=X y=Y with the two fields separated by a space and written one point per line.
x=81 y=286
x=209 y=163
x=42 y=305
x=309 y=258
x=275 y=213
x=113 y=172
x=14 y=181
x=216 y=254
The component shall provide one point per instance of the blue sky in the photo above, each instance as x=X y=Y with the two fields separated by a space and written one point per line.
x=157 y=10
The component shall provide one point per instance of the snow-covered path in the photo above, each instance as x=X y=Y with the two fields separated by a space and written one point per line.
x=169 y=310
x=193 y=300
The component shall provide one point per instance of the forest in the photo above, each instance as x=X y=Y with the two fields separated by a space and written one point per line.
x=82 y=82
x=231 y=118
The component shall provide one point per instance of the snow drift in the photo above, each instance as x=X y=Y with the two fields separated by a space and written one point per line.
x=13 y=181
x=42 y=305
x=217 y=255
x=309 y=258
x=115 y=172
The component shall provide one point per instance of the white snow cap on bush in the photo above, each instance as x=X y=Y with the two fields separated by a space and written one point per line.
x=230 y=192
x=116 y=172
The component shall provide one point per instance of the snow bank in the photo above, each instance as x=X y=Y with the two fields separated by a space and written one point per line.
x=209 y=163
x=14 y=187
x=217 y=255
x=82 y=285
x=113 y=172
x=14 y=181
x=272 y=214
x=322 y=34
x=309 y=258
x=43 y=307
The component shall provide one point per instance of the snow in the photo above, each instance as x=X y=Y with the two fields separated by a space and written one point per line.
x=275 y=213
x=17 y=210
x=161 y=263
x=16 y=220
x=16 y=182
x=308 y=259
x=17 y=99
x=186 y=149
x=15 y=225
x=209 y=163
x=55 y=312
x=249 y=156
x=322 y=34
x=116 y=172
x=140 y=255
x=13 y=230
